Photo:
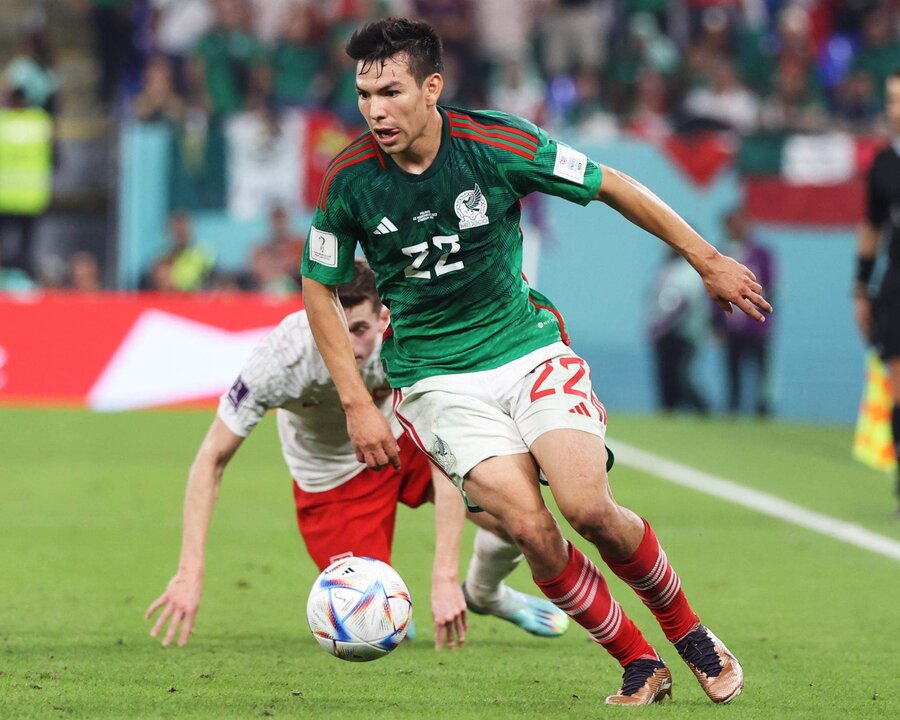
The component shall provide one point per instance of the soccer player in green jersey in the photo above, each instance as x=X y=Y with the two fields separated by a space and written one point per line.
x=484 y=379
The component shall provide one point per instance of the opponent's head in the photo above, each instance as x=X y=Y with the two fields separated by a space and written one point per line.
x=892 y=101
x=366 y=317
x=398 y=78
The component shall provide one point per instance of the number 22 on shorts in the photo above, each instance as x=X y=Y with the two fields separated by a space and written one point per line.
x=576 y=369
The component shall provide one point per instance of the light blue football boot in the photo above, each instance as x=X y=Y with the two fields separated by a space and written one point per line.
x=533 y=614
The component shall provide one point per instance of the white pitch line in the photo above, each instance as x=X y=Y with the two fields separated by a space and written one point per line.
x=754 y=499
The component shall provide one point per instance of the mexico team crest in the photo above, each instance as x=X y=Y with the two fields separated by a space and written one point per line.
x=441 y=453
x=471 y=208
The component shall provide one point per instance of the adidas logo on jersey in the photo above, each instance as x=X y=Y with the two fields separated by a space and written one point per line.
x=385 y=227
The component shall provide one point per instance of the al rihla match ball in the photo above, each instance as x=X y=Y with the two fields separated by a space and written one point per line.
x=359 y=609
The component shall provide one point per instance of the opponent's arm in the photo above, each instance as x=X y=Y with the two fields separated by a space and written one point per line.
x=367 y=427
x=726 y=280
x=866 y=250
x=181 y=599
x=448 y=606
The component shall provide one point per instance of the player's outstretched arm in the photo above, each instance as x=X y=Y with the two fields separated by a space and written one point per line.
x=181 y=599
x=727 y=281
x=448 y=605
x=369 y=431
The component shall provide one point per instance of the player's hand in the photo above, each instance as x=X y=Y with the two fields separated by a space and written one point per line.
x=862 y=311
x=731 y=284
x=180 y=603
x=372 y=438
x=448 y=609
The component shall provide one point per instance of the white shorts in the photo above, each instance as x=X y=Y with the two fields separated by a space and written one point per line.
x=460 y=420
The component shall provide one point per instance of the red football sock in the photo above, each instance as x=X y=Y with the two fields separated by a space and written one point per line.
x=656 y=583
x=582 y=593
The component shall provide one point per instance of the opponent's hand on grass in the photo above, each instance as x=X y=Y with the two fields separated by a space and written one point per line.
x=372 y=438
x=180 y=603
x=731 y=284
x=448 y=609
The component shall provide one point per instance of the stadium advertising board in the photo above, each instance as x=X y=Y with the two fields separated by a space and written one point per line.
x=118 y=351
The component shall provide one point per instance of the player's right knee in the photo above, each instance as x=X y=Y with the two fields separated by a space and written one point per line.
x=533 y=533
x=596 y=522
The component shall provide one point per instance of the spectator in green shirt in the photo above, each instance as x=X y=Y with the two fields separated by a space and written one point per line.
x=340 y=80
x=297 y=61
x=229 y=61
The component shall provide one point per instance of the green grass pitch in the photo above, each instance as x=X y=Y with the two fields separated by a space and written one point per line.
x=90 y=531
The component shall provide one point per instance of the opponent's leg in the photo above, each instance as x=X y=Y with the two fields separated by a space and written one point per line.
x=507 y=487
x=486 y=594
x=493 y=559
x=575 y=464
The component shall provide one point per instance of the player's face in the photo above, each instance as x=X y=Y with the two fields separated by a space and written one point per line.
x=365 y=324
x=395 y=106
x=892 y=104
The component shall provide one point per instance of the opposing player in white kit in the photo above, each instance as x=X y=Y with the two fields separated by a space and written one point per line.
x=343 y=508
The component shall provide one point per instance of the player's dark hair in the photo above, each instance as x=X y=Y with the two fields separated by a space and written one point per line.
x=377 y=41
x=360 y=288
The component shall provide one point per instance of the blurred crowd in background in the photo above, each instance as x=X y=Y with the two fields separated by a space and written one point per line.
x=639 y=65
x=599 y=68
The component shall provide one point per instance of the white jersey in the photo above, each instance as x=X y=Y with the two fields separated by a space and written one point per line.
x=286 y=371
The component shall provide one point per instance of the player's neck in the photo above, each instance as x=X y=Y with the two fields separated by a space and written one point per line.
x=421 y=153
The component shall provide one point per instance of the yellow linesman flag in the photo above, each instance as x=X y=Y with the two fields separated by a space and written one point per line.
x=873 y=443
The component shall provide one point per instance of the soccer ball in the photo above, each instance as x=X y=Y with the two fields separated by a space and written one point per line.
x=359 y=609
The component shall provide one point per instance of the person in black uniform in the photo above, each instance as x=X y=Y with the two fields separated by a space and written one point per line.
x=878 y=314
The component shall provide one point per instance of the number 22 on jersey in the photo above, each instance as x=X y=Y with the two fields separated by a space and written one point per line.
x=419 y=252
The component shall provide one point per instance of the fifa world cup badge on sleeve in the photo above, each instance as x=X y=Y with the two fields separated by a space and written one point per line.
x=570 y=164
x=324 y=247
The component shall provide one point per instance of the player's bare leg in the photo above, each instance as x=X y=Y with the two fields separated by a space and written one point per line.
x=575 y=464
x=507 y=488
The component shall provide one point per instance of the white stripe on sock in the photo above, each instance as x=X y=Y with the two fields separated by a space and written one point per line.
x=655 y=575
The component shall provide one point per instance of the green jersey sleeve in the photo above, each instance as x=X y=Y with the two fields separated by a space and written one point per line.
x=331 y=243
x=556 y=169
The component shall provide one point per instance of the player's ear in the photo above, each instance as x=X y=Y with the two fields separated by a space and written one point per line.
x=384 y=317
x=432 y=87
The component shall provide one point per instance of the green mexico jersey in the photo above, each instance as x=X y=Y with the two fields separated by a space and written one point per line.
x=445 y=245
